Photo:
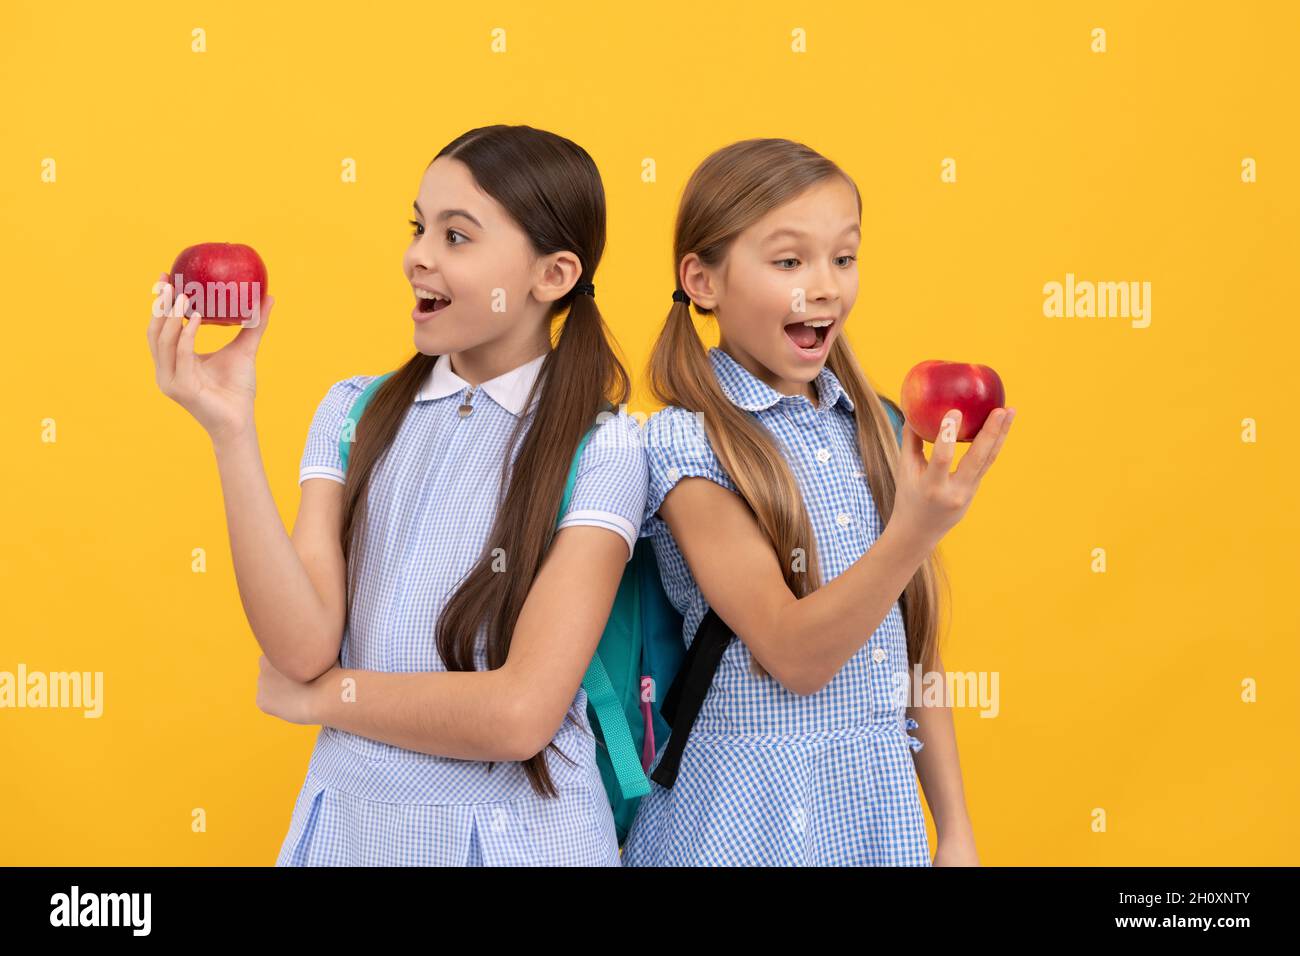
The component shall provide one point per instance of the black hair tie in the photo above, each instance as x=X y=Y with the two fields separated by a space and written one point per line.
x=585 y=288
x=680 y=296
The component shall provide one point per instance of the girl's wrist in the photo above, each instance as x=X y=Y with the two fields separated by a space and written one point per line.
x=913 y=548
x=955 y=826
x=324 y=692
x=233 y=438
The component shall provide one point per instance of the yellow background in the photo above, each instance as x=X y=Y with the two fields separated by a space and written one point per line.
x=1119 y=691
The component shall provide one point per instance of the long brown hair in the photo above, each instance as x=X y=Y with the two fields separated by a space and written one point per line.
x=552 y=189
x=728 y=192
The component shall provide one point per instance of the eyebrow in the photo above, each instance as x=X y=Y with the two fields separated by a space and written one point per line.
x=449 y=213
x=800 y=234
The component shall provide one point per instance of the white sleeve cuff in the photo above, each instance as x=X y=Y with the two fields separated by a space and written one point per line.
x=604 y=519
x=321 y=471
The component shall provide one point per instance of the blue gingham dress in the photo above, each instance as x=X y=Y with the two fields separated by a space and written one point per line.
x=431 y=500
x=769 y=777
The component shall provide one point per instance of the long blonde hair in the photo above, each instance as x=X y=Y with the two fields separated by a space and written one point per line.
x=732 y=189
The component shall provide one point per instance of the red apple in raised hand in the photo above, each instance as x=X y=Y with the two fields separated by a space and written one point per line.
x=225 y=282
x=933 y=388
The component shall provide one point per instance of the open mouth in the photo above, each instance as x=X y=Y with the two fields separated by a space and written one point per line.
x=809 y=335
x=428 y=302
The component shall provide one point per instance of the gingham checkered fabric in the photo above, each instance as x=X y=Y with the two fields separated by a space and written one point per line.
x=769 y=777
x=431 y=502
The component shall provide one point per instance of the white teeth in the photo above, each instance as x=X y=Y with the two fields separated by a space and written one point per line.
x=421 y=294
x=819 y=323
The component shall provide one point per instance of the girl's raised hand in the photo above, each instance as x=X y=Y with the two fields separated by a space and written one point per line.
x=930 y=497
x=217 y=388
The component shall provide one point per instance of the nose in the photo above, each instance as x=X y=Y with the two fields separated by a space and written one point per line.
x=822 y=287
x=420 y=256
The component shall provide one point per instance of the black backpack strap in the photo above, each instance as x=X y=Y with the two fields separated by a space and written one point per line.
x=682 y=702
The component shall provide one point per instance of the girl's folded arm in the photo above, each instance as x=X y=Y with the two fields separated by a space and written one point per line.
x=299 y=630
x=510 y=713
x=802 y=642
x=316 y=540
x=560 y=627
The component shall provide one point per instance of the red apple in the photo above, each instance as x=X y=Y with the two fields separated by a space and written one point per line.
x=224 y=281
x=932 y=389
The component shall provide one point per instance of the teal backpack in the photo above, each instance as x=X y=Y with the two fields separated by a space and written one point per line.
x=640 y=651
x=897 y=418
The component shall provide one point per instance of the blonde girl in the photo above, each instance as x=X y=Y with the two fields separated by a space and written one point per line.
x=780 y=503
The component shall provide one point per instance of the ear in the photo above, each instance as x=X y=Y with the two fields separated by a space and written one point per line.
x=556 y=274
x=699 y=282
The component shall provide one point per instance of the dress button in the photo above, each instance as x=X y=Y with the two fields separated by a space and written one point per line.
x=878 y=654
x=673 y=473
x=823 y=455
x=843 y=520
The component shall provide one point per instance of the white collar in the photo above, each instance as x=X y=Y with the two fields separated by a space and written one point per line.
x=508 y=389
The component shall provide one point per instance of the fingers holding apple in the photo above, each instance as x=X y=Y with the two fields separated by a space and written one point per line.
x=933 y=388
x=165 y=356
x=185 y=359
x=250 y=336
x=945 y=447
x=228 y=281
x=984 y=451
x=946 y=403
x=158 y=315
